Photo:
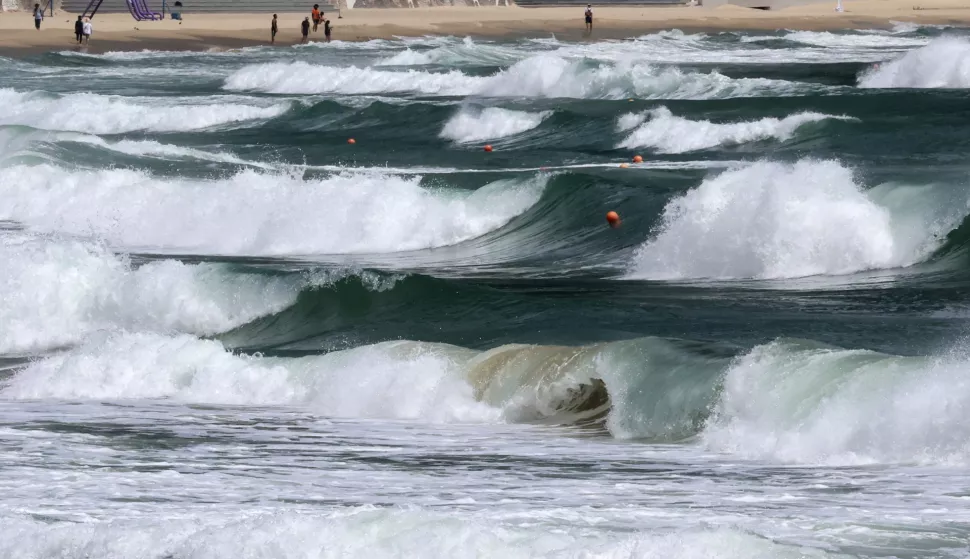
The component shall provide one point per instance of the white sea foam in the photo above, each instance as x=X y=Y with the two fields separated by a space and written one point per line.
x=100 y=114
x=389 y=380
x=55 y=292
x=855 y=40
x=660 y=129
x=944 y=63
x=303 y=78
x=472 y=125
x=370 y=532
x=797 y=402
x=453 y=53
x=773 y=220
x=542 y=75
x=257 y=212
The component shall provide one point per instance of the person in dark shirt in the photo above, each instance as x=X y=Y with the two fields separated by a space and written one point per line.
x=79 y=29
x=327 y=28
x=273 y=30
x=305 y=26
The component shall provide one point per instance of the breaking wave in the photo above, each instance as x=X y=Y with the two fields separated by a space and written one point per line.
x=258 y=213
x=58 y=291
x=543 y=75
x=944 y=63
x=774 y=220
x=790 y=400
x=471 y=125
x=100 y=114
x=660 y=129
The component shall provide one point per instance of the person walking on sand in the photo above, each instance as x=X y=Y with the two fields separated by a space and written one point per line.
x=315 y=14
x=79 y=29
x=38 y=16
x=327 y=28
x=305 y=28
x=86 y=30
x=274 y=28
x=589 y=18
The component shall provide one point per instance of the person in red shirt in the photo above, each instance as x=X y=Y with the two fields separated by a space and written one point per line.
x=315 y=15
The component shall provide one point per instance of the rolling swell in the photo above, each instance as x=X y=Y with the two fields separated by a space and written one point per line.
x=790 y=400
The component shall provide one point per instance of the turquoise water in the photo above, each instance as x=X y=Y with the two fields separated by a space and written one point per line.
x=227 y=332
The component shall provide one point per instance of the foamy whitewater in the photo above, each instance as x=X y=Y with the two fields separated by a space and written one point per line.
x=227 y=331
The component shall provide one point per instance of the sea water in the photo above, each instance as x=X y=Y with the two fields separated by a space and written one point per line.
x=227 y=332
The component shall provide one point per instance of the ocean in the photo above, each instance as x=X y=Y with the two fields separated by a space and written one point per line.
x=228 y=332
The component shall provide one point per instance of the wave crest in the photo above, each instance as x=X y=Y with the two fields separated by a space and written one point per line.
x=773 y=220
x=99 y=114
x=944 y=63
x=257 y=213
x=660 y=129
x=470 y=125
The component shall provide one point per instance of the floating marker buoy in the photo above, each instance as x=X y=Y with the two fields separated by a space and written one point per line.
x=637 y=159
x=631 y=100
x=351 y=141
x=543 y=169
x=488 y=148
x=613 y=219
x=624 y=165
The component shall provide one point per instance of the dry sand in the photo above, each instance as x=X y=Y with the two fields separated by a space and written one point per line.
x=219 y=31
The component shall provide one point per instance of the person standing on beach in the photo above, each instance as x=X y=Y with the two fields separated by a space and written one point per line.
x=327 y=28
x=79 y=29
x=38 y=16
x=86 y=30
x=305 y=28
x=589 y=18
x=315 y=13
x=274 y=28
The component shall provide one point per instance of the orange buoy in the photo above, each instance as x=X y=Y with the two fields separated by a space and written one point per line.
x=351 y=141
x=488 y=148
x=613 y=219
x=624 y=165
x=637 y=159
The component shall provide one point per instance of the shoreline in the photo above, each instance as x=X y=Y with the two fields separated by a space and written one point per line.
x=207 y=32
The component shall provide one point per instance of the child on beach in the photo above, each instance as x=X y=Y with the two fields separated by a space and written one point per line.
x=305 y=28
x=38 y=16
x=86 y=30
x=327 y=28
x=273 y=30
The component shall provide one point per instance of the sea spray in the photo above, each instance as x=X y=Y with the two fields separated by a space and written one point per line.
x=471 y=125
x=259 y=213
x=56 y=292
x=773 y=220
x=944 y=63
x=541 y=76
x=101 y=114
x=661 y=129
x=802 y=402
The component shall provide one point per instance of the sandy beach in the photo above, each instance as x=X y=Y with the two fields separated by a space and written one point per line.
x=214 y=31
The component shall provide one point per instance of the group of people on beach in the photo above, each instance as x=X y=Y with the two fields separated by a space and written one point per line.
x=317 y=17
x=83 y=28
